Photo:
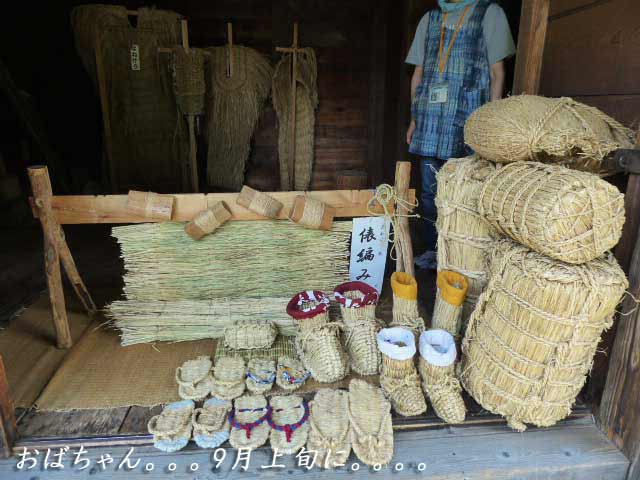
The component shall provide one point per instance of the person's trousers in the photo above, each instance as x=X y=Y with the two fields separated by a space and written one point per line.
x=429 y=167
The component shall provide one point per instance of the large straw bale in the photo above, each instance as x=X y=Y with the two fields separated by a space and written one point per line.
x=464 y=236
x=557 y=130
x=531 y=340
x=568 y=215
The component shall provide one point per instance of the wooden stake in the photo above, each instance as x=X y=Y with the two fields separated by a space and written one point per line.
x=106 y=117
x=230 y=50
x=8 y=428
x=41 y=186
x=69 y=265
x=404 y=248
x=185 y=34
x=533 y=31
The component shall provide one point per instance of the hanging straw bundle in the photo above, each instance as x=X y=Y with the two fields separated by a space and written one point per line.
x=188 y=80
x=233 y=109
x=531 y=340
x=306 y=104
x=147 y=321
x=464 y=236
x=243 y=259
x=568 y=215
x=557 y=130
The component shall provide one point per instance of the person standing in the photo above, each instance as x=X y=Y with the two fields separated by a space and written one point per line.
x=458 y=52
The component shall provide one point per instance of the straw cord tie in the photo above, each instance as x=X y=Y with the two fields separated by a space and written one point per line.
x=248 y=427
x=289 y=429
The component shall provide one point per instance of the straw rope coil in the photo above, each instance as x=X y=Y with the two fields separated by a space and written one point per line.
x=250 y=335
x=464 y=236
x=259 y=202
x=531 y=340
x=243 y=259
x=188 y=80
x=234 y=105
x=306 y=104
x=558 y=130
x=567 y=215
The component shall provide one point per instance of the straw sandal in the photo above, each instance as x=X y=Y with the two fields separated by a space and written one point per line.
x=291 y=374
x=318 y=341
x=194 y=378
x=399 y=379
x=211 y=423
x=437 y=369
x=171 y=429
x=289 y=421
x=249 y=422
x=371 y=427
x=228 y=378
x=329 y=435
x=261 y=373
x=358 y=308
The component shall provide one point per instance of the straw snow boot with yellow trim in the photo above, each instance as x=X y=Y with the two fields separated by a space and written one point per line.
x=437 y=369
x=405 y=303
x=399 y=379
x=318 y=341
x=358 y=307
x=452 y=292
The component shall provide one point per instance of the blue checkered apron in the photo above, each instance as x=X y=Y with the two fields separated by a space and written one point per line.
x=440 y=126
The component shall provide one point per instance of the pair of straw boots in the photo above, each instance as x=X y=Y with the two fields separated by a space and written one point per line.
x=321 y=344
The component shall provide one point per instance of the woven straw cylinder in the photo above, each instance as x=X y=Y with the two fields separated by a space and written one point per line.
x=188 y=80
x=207 y=221
x=564 y=214
x=558 y=130
x=259 y=202
x=358 y=302
x=250 y=335
x=452 y=292
x=531 y=340
x=464 y=236
x=150 y=205
x=311 y=213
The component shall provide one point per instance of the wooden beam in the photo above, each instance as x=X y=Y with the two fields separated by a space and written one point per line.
x=8 y=429
x=89 y=209
x=533 y=31
x=404 y=247
x=69 y=265
x=41 y=186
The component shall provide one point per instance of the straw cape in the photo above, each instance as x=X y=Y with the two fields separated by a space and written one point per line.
x=234 y=106
x=228 y=378
x=172 y=429
x=249 y=422
x=557 y=130
x=531 y=340
x=194 y=378
x=464 y=236
x=330 y=428
x=371 y=426
x=306 y=104
x=289 y=422
x=564 y=214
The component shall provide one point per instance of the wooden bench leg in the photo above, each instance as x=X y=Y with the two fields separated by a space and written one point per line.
x=8 y=429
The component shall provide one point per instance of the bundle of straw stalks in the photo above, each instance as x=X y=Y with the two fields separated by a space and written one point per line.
x=306 y=104
x=556 y=130
x=465 y=238
x=146 y=321
x=531 y=340
x=234 y=106
x=568 y=215
x=149 y=139
x=243 y=259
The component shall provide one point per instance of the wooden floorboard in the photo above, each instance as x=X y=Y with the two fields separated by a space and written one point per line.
x=574 y=450
x=75 y=423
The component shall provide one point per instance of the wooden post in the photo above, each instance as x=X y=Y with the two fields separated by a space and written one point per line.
x=533 y=31
x=8 y=429
x=41 y=186
x=404 y=247
x=106 y=118
x=229 y=50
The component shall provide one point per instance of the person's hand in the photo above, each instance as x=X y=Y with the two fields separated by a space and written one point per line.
x=412 y=128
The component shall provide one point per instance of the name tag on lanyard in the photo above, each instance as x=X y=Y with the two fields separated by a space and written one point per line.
x=439 y=93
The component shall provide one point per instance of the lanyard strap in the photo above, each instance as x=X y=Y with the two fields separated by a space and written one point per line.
x=445 y=60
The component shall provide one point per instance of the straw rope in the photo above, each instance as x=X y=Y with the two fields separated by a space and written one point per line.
x=306 y=104
x=444 y=391
x=259 y=202
x=330 y=427
x=250 y=335
x=250 y=412
x=312 y=214
x=531 y=340
x=559 y=130
x=289 y=423
x=567 y=215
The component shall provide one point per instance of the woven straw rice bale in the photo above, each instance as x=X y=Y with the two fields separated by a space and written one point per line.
x=558 y=130
x=568 y=215
x=464 y=236
x=531 y=340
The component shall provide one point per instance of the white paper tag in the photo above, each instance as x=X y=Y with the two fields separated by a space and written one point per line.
x=135 y=57
x=439 y=93
x=369 y=246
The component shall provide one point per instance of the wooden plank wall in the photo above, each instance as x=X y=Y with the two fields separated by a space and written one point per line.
x=340 y=33
x=592 y=53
